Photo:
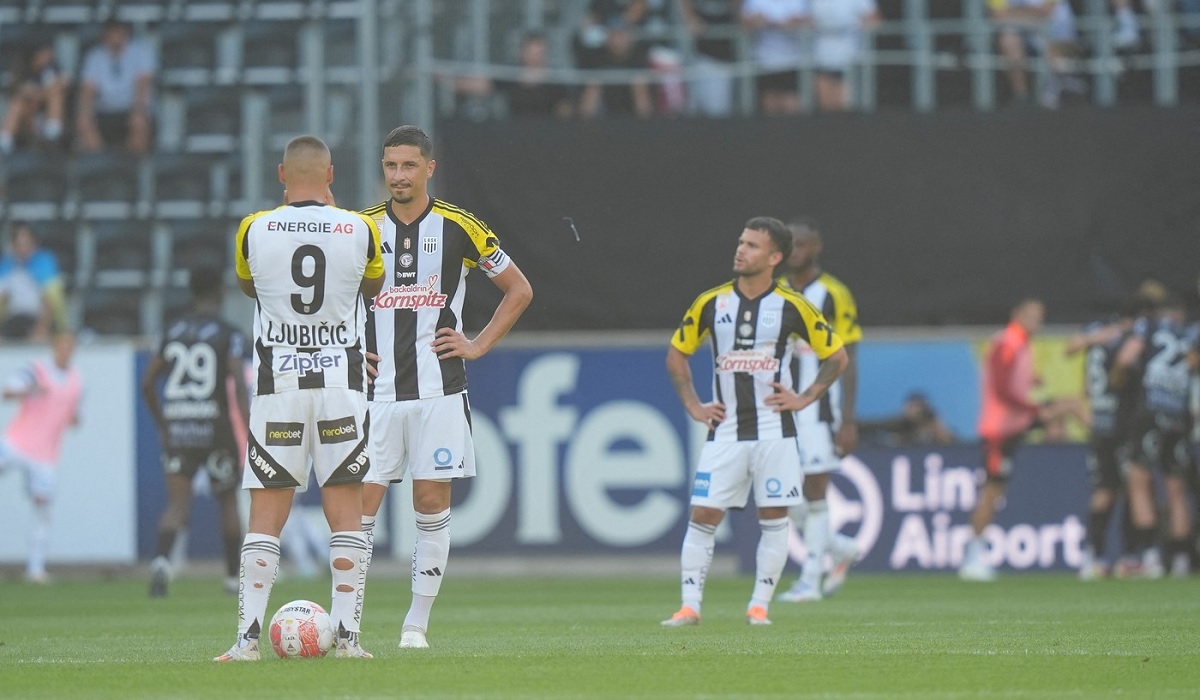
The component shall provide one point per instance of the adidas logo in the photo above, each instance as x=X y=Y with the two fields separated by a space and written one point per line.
x=725 y=319
x=767 y=581
x=385 y=248
x=794 y=493
x=690 y=582
x=435 y=571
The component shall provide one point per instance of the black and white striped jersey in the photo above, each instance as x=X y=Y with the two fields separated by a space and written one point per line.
x=836 y=304
x=752 y=342
x=425 y=267
x=307 y=261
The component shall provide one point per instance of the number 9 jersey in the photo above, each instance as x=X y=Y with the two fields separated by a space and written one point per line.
x=307 y=261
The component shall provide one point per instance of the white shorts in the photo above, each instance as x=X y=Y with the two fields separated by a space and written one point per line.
x=817 y=454
x=426 y=439
x=727 y=470
x=41 y=480
x=325 y=427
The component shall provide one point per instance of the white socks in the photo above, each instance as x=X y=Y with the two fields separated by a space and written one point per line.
x=694 y=560
x=772 y=557
x=429 y=565
x=348 y=564
x=260 y=564
x=368 y=529
x=816 y=539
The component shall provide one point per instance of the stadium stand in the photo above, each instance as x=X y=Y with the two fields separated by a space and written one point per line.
x=238 y=78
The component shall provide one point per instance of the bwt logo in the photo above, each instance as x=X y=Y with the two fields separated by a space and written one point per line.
x=262 y=464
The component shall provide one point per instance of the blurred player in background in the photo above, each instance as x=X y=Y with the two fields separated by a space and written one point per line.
x=1166 y=349
x=752 y=325
x=828 y=428
x=1112 y=411
x=420 y=416
x=1007 y=416
x=306 y=263
x=49 y=393
x=201 y=357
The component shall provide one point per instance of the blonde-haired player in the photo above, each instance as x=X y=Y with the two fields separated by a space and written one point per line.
x=307 y=263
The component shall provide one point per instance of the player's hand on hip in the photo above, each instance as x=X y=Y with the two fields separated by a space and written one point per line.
x=846 y=439
x=449 y=343
x=710 y=414
x=372 y=366
x=784 y=399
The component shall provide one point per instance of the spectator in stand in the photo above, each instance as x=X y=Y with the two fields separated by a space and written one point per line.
x=1029 y=27
x=778 y=49
x=31 y=288
x=531 y=95
x=115 y=92
x=620 y=52
x=917 y=424
x=838 y=26
x=711 y=23
x=603 y=15
x=37 y=103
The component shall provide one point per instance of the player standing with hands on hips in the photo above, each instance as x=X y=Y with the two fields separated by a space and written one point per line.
x=421 y=419
x=752 y=325
x=308 y=264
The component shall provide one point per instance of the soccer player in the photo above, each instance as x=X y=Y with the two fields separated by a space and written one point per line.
x=420 y=416
x=49 y=394
x=751 y=324
x=1008 y=414
x=1165 y=347
x=200 y=354
x=306 y=263
x=828 y=429
x=1111 y=409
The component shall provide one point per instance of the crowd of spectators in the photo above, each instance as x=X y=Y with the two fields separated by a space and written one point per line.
x=111 y=99
x=647 y=58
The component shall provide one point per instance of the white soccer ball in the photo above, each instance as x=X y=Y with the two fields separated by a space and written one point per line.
x=301 y=630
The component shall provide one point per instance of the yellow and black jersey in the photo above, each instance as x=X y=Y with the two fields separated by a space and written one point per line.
x=425 y=267
x=308 y=261
x=836 y=303
x=752 y=342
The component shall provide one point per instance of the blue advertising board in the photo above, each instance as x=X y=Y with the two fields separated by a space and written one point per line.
x=587 y=449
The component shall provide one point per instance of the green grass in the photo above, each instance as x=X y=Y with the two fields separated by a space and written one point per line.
x=883 y=636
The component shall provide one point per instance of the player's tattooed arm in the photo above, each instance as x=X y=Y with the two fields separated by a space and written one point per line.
x=784 y=399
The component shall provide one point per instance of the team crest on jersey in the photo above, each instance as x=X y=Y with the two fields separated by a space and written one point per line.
x=429 y=245
x=769 y=318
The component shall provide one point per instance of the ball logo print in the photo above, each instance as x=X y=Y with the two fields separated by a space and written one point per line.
x=301 y=629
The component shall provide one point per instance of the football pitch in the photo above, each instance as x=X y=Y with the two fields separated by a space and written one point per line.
x=918 y=636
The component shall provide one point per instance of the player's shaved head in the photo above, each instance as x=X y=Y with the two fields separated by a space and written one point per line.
x=306 y=160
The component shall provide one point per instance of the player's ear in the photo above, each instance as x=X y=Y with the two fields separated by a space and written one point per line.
x=432 y=167
x=281 y=174
x=329 y=175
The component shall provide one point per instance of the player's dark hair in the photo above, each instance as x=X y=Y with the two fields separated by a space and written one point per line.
x=204 y=282
x=779 y=233
x=409 y=135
